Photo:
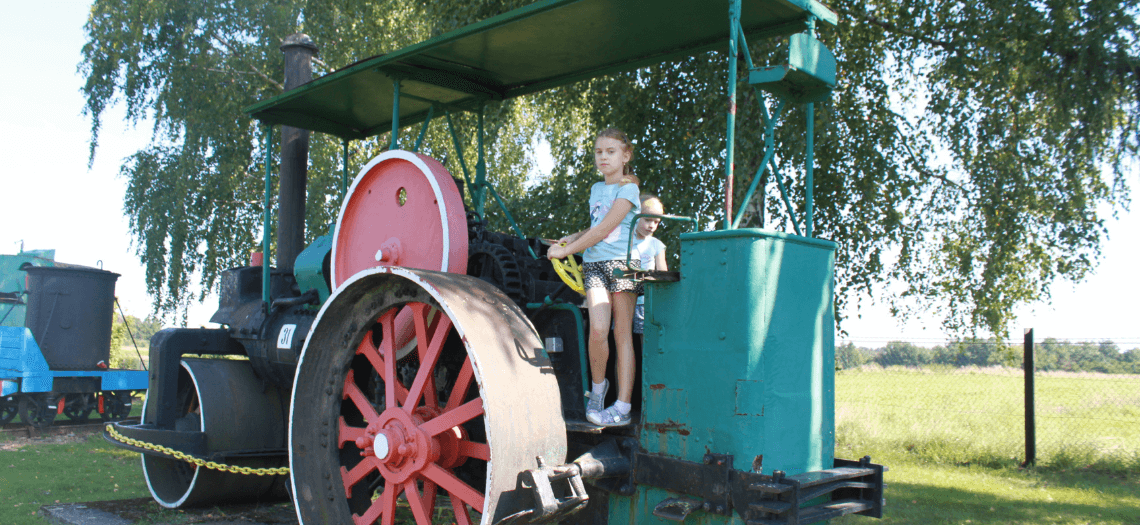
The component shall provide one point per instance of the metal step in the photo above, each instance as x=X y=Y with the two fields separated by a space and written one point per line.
x=834 y=509
x=819 y=477
x=820 y=513
x=770 y=506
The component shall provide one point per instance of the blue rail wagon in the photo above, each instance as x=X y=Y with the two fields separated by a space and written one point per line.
x=56 y=361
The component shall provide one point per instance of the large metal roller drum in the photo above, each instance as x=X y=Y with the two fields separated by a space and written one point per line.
x=237 y=411
x=452 y=425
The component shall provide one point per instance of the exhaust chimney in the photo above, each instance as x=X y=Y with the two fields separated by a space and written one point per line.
x=299 y=51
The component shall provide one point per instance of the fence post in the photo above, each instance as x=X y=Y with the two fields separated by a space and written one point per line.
x=1030 y=421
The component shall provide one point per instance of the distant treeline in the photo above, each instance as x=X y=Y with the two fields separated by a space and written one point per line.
x=140 y=329
x=1049 y=355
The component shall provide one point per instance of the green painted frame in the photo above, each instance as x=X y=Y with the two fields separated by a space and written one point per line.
x=463 y=69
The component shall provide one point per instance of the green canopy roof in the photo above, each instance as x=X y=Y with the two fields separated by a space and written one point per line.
x=544 y=45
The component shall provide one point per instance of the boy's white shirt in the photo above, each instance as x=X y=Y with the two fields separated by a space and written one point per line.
x=645 y=250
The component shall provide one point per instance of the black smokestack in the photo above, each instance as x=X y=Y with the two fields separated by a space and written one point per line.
x=299 y=50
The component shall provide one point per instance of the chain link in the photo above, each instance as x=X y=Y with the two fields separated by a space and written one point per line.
x=281 y=471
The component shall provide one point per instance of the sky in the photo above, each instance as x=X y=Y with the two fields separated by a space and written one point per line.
x=52 y=200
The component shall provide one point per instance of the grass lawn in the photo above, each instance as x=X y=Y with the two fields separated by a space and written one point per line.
x=41 y=473
x=921 y=492
x=60 y=470
x=947 y=439
x=954 y=439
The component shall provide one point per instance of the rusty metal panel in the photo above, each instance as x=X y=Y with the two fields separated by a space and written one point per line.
x=738 y=355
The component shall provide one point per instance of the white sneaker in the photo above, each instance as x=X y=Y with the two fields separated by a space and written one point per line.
x=610 y=417
x=596 y=404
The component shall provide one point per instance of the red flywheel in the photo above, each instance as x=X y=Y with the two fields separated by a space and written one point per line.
x=403 y=209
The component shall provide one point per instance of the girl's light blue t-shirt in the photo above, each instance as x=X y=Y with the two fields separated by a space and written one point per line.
x=602 y=197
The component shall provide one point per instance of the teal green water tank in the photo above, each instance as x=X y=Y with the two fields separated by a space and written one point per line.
x=739 y=356
x=13 y=283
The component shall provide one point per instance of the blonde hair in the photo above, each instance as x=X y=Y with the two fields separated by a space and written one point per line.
x=619 y=135
x=646 y=197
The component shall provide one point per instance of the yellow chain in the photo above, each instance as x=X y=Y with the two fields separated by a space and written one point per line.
x=281 y=471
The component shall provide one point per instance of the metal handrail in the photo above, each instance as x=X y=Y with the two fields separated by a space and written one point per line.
x=511 y=219
x=633 y=230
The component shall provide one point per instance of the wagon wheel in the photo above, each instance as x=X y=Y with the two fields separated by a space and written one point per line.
x=38 y=410
x=370 y=437
x=116 y=405
x=78 y=407
x=9 y=407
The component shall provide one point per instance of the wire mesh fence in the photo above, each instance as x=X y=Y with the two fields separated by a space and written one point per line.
x=965 y=402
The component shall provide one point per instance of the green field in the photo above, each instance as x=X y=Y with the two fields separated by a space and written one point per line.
x=976 y=416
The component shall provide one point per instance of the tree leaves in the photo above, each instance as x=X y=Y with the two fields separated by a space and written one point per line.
x=969 y=151
x=1035 y=103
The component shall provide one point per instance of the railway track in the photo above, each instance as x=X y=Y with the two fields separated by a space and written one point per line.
x=22 y=430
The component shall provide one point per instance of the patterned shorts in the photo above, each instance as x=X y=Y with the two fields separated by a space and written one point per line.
x=601 y=275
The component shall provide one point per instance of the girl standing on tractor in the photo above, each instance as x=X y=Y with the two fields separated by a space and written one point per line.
x=613 y=204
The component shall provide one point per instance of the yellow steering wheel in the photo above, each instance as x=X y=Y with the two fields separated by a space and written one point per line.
x=570 y=272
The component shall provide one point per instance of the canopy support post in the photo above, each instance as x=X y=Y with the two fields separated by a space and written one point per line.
x=459 y=154
x=395 y=114
x=266 y=145
x=423 y=130
x=480 y=193
x=809 y=161
x=344 y=172
x=730 y=138
x=809 y=157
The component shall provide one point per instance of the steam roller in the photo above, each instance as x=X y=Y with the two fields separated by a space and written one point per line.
x=412 y=383
x=417 y=388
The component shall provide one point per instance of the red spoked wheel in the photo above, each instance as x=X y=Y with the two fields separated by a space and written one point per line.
x=406 y=435
x=374 y=437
